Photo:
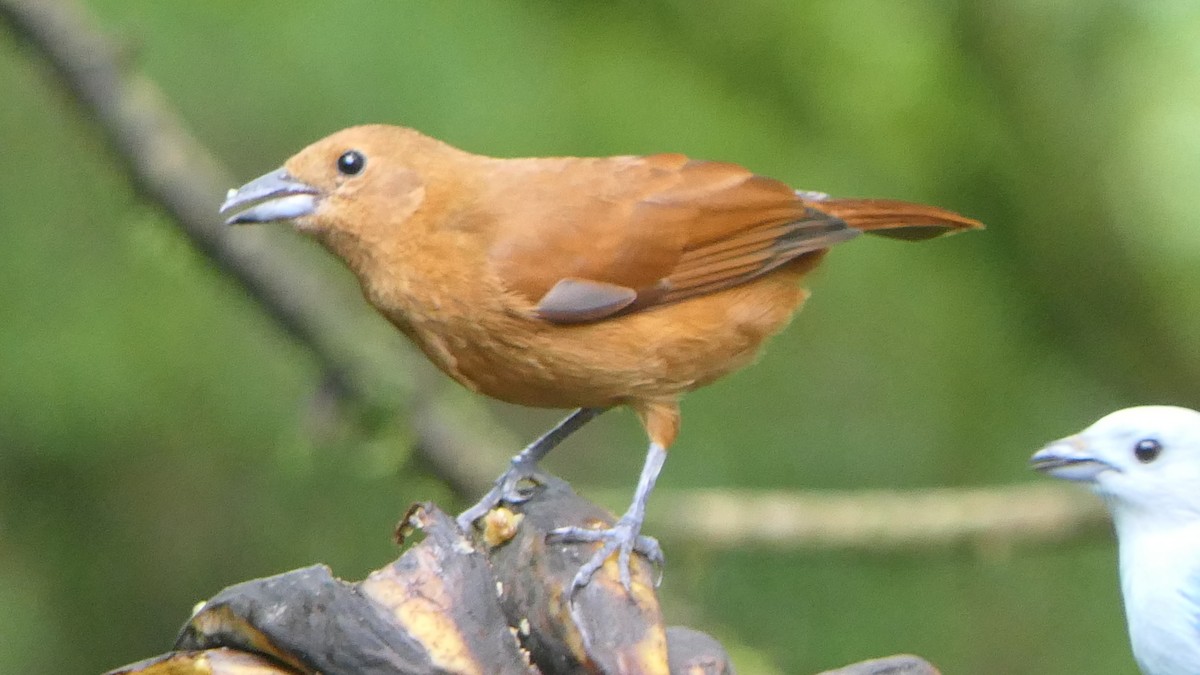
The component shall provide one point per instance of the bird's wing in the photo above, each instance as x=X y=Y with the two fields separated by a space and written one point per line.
x=586 y=239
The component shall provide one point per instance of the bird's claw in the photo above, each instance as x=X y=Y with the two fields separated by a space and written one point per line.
x=622 y=539
x=507 y=488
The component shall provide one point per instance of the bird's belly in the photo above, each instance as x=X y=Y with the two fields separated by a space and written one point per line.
x=654 y=354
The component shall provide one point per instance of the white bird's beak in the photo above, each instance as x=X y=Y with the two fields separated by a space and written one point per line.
x=1069 y=459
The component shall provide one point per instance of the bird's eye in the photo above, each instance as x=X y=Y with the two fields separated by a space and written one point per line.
x=1147 y=450
x=351 y=163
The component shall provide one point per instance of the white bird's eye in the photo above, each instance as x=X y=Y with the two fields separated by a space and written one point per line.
x=1147 y=450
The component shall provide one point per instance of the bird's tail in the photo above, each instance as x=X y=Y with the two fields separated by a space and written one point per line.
x=896 y=219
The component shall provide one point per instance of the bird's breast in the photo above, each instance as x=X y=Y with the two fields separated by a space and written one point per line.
x=1160 y=585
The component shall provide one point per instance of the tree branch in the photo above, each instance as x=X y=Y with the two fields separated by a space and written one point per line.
x=992 y=519
x=357 y=351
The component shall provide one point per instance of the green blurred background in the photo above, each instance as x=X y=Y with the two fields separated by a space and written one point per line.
x=159 y=437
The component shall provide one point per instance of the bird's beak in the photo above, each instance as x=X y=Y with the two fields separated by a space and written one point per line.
x=1069 y=459
x=274 y=196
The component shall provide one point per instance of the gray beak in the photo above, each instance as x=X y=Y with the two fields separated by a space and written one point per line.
x=274 y=196
x=1069 y=459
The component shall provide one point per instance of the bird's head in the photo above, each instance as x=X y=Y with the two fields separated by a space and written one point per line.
x=363 y=181
x=1144 y=461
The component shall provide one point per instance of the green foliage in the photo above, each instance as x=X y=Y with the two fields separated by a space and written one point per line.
x=159 y=438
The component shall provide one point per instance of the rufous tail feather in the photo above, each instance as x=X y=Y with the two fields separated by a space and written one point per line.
x=897 y=219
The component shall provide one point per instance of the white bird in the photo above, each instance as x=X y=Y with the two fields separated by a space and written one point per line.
x=1145 y=463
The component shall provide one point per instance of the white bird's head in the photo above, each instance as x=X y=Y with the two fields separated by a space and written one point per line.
x=1144 y=461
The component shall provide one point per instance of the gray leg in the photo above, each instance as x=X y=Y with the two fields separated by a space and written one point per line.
x=524 y=464
x=624 y=537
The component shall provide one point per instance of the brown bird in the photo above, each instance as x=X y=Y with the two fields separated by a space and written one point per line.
x=570 y=282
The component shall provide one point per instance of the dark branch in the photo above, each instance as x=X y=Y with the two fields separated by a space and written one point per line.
x=357 y=351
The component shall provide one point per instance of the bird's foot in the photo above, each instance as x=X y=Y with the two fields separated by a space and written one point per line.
x=513 y=486
x=622 y=539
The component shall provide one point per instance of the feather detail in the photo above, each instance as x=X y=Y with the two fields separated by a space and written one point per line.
x=896 y=219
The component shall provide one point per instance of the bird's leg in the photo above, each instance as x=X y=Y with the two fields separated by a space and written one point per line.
x=624 y=537
x=524 y=464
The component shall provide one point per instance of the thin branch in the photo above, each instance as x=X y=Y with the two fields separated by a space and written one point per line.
x=365 y=356
x=992 y=519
